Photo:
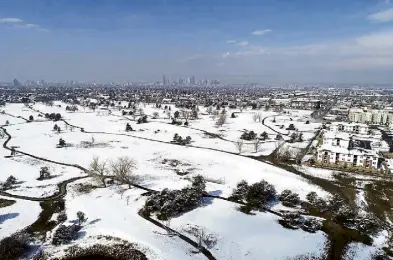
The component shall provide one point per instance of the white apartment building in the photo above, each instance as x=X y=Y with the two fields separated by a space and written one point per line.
x=355 y=128
x=374 y=116
x=344 y=149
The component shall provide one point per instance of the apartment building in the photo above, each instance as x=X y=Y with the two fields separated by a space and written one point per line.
x=374 y=116
x=355 y=128
x=344 y=149
x=305 y=103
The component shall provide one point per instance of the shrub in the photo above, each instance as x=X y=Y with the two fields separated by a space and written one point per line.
x=14 y=246
x=260 y=193
x=64 y=234
x=311 y=225
x=62 y=143
x=291 y=127
x=62 y=216
x=128 y=127
x=81 y=217
x=248 y=135
x=289 y=199
x=44 y=173
x=264 y=135
x=369 y=224
x=9 y=182
x=239 y=194
x=170 y=203
x=291 y=220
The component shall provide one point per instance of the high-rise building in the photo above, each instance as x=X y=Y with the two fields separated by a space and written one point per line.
x=192 y=80
x=164 y=82
x=15 y=83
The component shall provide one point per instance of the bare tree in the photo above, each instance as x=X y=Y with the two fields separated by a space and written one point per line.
x=123 y=169
x=242 y=107
x=185 y=114
x=239 y=145
x=257 y=144
x=283 y=154
x=209 y=110
x=99 y=170
x=257 y=117
x=222 y=119
x=140 y=111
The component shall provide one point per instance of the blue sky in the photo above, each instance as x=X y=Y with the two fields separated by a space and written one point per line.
x=271 y=41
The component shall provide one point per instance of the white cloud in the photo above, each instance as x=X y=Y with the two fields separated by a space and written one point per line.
x=20 y=24
x=377 y=40
x=231 y=41
x=26 y=26
x=227 y=54
x=11 y=20
x=261 y=32
x=383 y=16
x=242 y=43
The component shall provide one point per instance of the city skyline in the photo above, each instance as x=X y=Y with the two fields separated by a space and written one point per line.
x=276 y=42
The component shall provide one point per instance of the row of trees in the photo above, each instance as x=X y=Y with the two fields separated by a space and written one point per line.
x=53 y=116
x=177 y=139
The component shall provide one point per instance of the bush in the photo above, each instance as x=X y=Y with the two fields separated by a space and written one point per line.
x=11 y=181
x=62 y=143
x=313 y=201
x=65 y=234
x=291 y=220
x=311 y=225
x=62 y=216
x=291 y=127
x=44 y=173
x=248 y=136
x=239 y=194
x=170 y=203
x=128 y=128
x=260 y=194
x=179 y=140
x=369 y=224
x=14 y=246
x=289 y=199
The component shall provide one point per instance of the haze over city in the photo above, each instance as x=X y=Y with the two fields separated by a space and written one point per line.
x=232 y=41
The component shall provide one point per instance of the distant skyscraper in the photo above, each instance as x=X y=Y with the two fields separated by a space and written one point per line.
x=15 y=82
x=164 y=82
x=192 y=80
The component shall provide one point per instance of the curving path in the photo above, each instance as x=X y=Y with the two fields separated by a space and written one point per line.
x=271 y=128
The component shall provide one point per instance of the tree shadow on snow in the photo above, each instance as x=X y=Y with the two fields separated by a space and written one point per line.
x=94 y=221
x=7 y=216
x=205 y=201
x=81 y=234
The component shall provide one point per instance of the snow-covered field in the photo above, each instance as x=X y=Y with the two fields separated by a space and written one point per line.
x=111 y=212
x=252 y=237
x=17 y=216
